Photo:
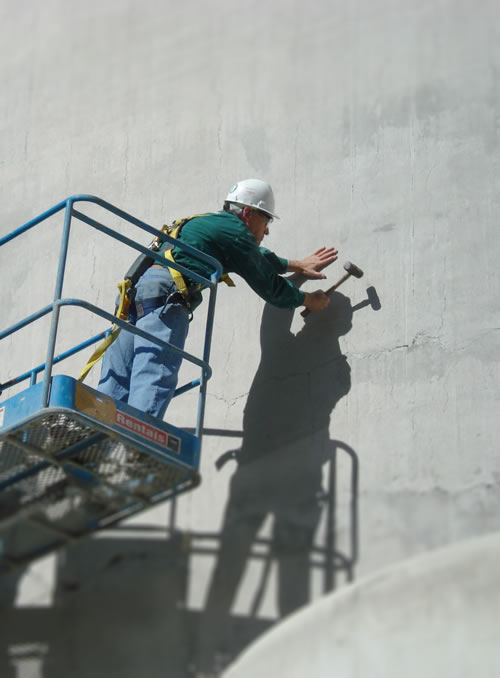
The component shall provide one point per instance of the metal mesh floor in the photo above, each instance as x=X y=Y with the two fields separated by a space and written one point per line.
x=61 y=479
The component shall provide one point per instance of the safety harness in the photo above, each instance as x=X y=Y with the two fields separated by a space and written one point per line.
x=173 y=231
x=126 y=288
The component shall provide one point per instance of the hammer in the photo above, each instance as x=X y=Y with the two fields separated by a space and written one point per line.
x=351 y=269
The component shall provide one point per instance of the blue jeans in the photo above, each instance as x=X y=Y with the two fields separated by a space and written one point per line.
x=136 y=371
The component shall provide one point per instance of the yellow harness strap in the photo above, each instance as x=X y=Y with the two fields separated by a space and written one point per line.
x=173 y=232
x=177 y=276
x=122 y=312
x=226 y=278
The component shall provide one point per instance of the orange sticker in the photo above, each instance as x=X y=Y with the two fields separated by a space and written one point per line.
x=99 y=406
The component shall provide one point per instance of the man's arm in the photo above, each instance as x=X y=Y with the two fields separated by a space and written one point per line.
x=261 y=270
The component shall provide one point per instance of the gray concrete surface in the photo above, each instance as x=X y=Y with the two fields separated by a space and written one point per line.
x=373 y=434
x=435 y=615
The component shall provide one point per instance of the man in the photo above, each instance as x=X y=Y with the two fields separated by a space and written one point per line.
x=143 y=374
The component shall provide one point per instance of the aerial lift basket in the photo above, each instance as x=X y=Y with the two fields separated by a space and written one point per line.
x=72 y=460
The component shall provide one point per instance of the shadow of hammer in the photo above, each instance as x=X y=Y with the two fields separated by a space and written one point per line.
x=372 y=300
x=351 y=269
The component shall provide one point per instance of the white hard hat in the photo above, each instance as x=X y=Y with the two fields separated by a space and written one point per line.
x=253 y=193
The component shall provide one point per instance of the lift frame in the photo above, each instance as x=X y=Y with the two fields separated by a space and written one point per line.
x=73 y=461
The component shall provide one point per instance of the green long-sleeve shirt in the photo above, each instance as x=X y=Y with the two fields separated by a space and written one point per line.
x=225 y=237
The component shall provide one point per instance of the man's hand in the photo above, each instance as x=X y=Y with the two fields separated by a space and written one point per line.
x=311 y=266
x=316 y=301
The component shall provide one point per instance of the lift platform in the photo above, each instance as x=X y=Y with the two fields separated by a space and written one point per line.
x=72 y=460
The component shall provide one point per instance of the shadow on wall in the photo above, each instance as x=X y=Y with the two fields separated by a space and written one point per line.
x=287 y=469
x=8 y=593
x=115 y=612
x=120 y=599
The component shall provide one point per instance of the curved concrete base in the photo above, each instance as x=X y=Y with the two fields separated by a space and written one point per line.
x=435 y=615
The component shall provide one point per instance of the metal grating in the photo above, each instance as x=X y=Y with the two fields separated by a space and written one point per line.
x=61 y=479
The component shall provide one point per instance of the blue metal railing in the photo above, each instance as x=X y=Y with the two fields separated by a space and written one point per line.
x=58 y=301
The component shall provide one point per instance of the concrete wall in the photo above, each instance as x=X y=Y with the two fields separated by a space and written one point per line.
x=371 y=435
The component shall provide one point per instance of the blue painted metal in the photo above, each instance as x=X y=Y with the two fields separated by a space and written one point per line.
x=206 y=358
x=33 y=222
x=210 y=284
x=33 y=421
x=135 y=330
x=159 y=258
x=63 y=253
x=26 y=321
x=23 y=407
x=32 y=373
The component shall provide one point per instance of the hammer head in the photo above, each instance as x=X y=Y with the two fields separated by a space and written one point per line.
x=352 y=269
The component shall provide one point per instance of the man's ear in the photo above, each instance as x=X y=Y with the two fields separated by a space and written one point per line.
x=245 y=215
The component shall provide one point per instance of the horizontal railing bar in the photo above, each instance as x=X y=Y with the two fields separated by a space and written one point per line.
x=103 y=314
x=33 y=222
x=187 y=387
x=135 y=330
x=26 y=321
x=158 y=258
x=151 y=229
x=59 y=358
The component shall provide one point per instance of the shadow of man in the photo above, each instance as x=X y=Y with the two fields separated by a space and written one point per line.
x=286 y=442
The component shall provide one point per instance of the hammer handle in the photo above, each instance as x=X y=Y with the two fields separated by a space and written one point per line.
x=337 y=284
x=306 y=311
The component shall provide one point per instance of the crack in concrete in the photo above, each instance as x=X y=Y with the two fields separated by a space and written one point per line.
x=228 y=401
x=219 y=143
x=419 y=340
x=477 y=338
x=399 y=347
x=93 y=269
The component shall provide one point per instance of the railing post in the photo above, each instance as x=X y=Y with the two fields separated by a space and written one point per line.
x=63 y=252
x=206 y=357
